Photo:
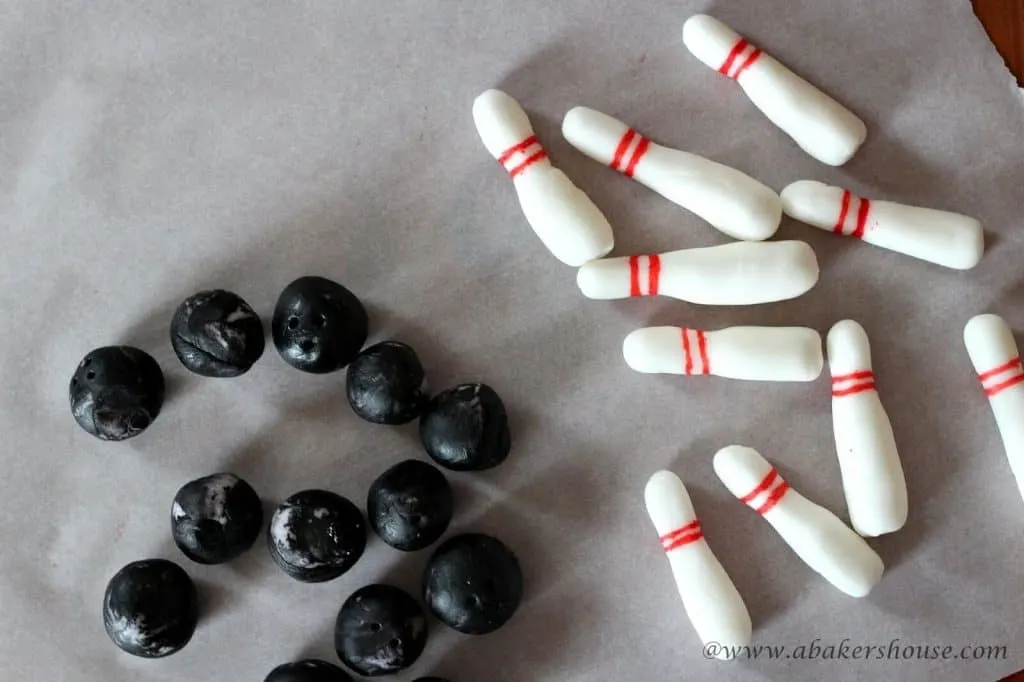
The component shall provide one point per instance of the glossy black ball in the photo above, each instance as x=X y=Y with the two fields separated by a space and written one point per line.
x=473 y=583
x=116 y=392
x=151 y=608
x=319 y=325
x=466 y=428
x=216 y=518
x=410 y=505
x=380 y=630
x=310 y=670
x=217 y=334
x=386 y=384
x=316 y=536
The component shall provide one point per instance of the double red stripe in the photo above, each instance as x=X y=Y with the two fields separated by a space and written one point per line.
x=771 y=479
x=863 y=209
x=521 y=148
x=680 y=537
x=653 y=275
x=773 y=499
x=619 y=163
x=858 y=382
x=737 y=50
x=992 y=389
x=702 y=350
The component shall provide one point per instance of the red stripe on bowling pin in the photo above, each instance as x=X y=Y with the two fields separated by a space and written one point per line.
x=522 y=155
x=857 y=229
x=774 y=485
x=631 y=149
x=741 y=57
x=850 y=384
x=1002 y=377
x=773 y=499
x=636 y=272
x=681 y=537
x=702 y=351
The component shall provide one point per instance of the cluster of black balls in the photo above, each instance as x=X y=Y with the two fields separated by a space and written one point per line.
x=472 y=582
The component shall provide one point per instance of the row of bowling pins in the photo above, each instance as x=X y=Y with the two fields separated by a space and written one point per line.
x=873 y=480
x=711 y=600
x=576 y=232
x=872 y=475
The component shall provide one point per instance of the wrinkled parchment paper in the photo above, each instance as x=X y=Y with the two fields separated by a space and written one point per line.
x=149 y=150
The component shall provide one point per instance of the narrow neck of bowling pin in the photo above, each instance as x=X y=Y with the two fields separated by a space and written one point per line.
x=630 y=150
x=644 y=275
x=522 y=156
x=743 y=55
x=852 y=219
x=852 y=383
x=696 y=359
x=767 y=494
x=682 y=536
x=1002 y=377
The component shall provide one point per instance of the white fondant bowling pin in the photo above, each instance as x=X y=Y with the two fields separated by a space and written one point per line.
x=561 y=214
x=752 y=353
x=949 y=239
x=817 y=123
x=825 y=543
x=741 y=273
x=735 y=203
x=995 y=357
x=712 y=603
x=873 y=481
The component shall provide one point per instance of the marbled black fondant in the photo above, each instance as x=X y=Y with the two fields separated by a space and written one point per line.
x=380 y=630
x=116 y=392
x=217 y=334
x=216 y=518
x=410 y=505
x=386 y=384
x=466 y=428
x=316 y=536
x=319 y=326
x=151 y=608
x=473 y=583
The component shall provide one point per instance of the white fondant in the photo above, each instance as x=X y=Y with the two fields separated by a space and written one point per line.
x=562 y=215
x=825 y=543
x=873 y=480
x=731 y=201
x=742 y=273
x=993 y=352
x=948 y=239
x=711 y=600
x=820 y=125
x=752 y=353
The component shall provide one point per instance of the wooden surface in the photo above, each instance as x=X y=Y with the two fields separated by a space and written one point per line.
x=1004 y=21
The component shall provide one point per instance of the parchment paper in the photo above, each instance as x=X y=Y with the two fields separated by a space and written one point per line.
x=149 y=150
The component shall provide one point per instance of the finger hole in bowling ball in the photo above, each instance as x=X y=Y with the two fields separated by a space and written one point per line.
x=376 y=627
x=293 y=322
x=90 y=375
x=306 y=346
